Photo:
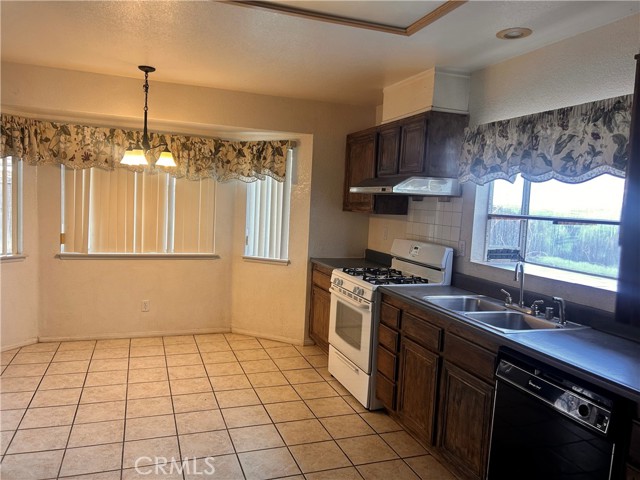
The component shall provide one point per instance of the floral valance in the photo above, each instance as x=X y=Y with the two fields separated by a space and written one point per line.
x=572 y=144
x=81 y=146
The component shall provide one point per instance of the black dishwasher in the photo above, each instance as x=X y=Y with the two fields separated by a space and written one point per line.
x=548 y=427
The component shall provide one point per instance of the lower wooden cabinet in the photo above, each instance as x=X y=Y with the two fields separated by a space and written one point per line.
x=320 y=305
x=319 y=320
x=418 y=387
x=436 y=380
x=465 y=420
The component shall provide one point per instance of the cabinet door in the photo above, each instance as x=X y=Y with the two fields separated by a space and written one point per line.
x=465 y=420
x=418 y=382
x=360 y=165
x=319 y=319
x=388 y=150
x=412 y=146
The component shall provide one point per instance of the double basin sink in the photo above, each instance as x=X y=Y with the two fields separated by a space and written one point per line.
x=486 y=312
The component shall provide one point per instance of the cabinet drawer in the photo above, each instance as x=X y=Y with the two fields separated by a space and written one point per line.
x=321 y=279
x=387 y=363
x=634 y=445
x=470 y=357
x=386 y=391
x=388 y=338
x=421 y=332
x=390 y=315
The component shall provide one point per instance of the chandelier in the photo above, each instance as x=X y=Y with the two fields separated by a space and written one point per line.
x=137 y=155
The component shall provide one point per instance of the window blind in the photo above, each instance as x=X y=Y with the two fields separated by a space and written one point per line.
x=120 y=211
x=267 y=219
x=11 y=206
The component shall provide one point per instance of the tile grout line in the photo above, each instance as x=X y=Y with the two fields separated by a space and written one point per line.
x=33 y=395
x=224 y=421
x=173 y=409
x=124 y=420
x=73 y=420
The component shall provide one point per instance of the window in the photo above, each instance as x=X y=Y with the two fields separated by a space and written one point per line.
x=121 y=211
x=267 y=220
x=11 y=205
x=572 y=227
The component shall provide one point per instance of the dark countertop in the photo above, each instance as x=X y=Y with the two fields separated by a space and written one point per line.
x=605 y=360
x=345 y=262
x=371 y=259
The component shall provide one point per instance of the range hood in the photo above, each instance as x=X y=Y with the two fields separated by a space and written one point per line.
x=409 y=185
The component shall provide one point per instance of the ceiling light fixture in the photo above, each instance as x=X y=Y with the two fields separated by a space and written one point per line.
x=514 y=33
x=137 y=155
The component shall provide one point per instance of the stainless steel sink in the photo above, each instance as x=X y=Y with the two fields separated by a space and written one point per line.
x=508 y=321
x=464 y=303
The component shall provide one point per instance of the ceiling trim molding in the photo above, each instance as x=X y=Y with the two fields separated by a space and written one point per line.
x=415 y=27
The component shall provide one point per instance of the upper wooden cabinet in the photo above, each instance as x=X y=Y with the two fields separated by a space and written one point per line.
x=425 y=144
x=362 y=148
x=388 y=150
x=360 y=165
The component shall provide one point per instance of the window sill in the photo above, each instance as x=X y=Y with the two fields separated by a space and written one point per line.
x=137 y=256
x=12 y=258
x=273 y=261
x=575 y=278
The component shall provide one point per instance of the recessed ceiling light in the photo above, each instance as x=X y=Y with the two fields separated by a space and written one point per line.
x=514 y=33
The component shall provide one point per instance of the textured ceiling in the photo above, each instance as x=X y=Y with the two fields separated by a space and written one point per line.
x=226 y=46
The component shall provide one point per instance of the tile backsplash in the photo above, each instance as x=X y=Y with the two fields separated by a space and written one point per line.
x=431 y=220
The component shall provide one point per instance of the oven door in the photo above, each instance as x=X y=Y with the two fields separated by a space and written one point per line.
x=350 y=329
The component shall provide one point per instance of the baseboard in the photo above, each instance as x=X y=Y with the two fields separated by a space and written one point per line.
x=157 y=333
x=29 y=341
x=277 y=338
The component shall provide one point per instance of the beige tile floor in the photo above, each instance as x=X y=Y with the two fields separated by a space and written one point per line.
x=233 y=406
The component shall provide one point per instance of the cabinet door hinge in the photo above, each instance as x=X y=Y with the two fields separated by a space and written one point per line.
x=62 y=239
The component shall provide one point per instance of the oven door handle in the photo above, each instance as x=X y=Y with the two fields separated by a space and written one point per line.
x=342 y=298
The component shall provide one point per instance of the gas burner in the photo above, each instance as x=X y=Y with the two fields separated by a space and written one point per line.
x=372 y=272
x=394 y=278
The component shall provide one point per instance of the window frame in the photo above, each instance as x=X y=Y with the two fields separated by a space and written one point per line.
x=15 y=219
x=169 y=240
x=481 y=232
x=285 y=233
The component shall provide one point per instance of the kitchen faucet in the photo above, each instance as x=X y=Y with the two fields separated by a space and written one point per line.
x=519 y=277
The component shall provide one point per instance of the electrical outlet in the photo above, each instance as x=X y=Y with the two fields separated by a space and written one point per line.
x=146 y=305
x=462 y=248
x=385 y=233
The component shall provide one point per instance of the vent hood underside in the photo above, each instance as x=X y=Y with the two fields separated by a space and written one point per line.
x=425 y=186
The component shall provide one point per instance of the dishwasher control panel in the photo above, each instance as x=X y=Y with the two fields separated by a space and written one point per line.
x=582 y=406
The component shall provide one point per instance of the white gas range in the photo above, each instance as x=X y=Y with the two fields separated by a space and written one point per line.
x=353 y=325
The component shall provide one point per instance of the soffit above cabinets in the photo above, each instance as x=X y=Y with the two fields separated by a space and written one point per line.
x=221 y=45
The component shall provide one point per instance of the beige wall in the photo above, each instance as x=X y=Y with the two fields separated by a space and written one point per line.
x=19 y=281
x=89 y=298
x=592 y=66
